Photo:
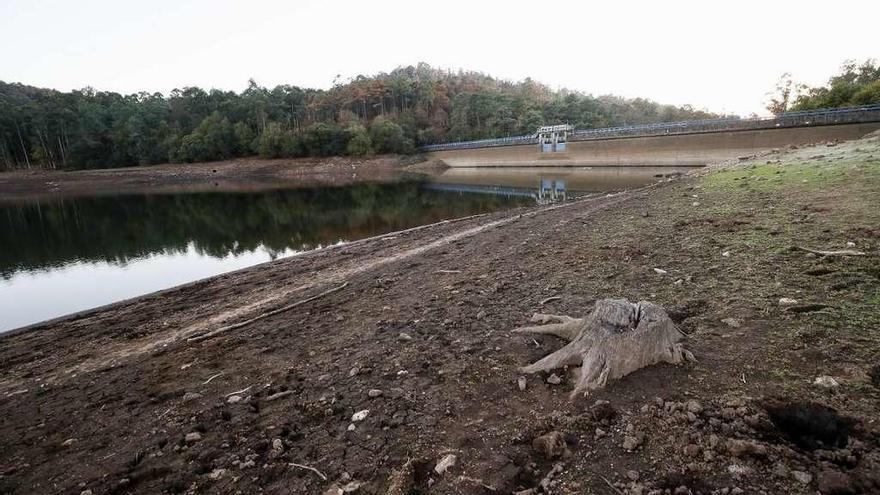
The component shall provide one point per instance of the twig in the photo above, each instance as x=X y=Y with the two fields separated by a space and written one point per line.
x=550 y=299
x=239 y=391
x=209 y=379
x=212 y=333
x=842 y=252
x=303 y=466
x=279 y=395
x=448 y=271
x=618 y=492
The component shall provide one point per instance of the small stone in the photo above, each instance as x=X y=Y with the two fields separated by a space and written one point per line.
x=216 y=474
x=85 y=492
x=351 y=486
x=632 y=442
x=737 y=470
x=780 y=470
x=277 y=445
x=233 y=399
x=692 y=450
x=404 y=337
x=660 y=271
x=360 y=415
x=731 y=322
x=632 y=475
x=695 y=204
x=191 y=396
x=826 y=381
x=324 y=377
x=351 y=427
x=726 y=254
x=445 y=463
x=834 y=482
x=68 y=442
x=850 y=244
x=802 y=477
x=600 y=433
x=787 y=301
x=551 y=445
x=374 y=392
x=354 y=371
x=694 y=406
x=192 y=437
x=521 y=383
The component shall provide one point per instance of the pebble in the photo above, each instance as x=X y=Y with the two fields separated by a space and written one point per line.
x=660 y=271
x=277 y=445
x=826 y=381
x=738 y=470
x=192 y=437
x=217 y=474
x=233 y=399
x=445 y=463
x=731 y=322
x=521 y=383
x=404 y=337
x=632 y=442
x=802 y=477
x=694 y=406
x=191 y=396
x=633 y=475
x=787 y=301
x=360 y=415
x=692 y=450
x=726 y=254
x=554 y=379
x=85 y=492
x=351 y=427
x=68 y=442
x=551 y=445
x=374 y=392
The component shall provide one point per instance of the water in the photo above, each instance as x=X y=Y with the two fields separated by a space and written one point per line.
x=63 y=255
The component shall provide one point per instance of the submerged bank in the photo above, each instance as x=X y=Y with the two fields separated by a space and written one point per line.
x=417 y=334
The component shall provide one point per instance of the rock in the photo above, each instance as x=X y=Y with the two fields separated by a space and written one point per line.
x=192 y=437
x=374 y=392
x=743 y=448
x=600 y=433
x=694 y=406
x=737 y=470
x=660 y=271
x=831 y=482
x=850 y=244
x=324 y=377
x=632 y=475
x=85 y=492
x=802 y=477
x=632 y=442
x=787 y=301
x=191 y=396
x=731 y=322
x=695 y=204
x=351 y=486
x=551 y=445
x=351 y=427
x=233 y=399
x=521 y=383
x=825 y=381
x=445 y=463
x=781 y=470
x=216 y=474
x=277 y=445
x=692 y=450
x=554 y=379
x=359 y=416
x=726 y=254
x=353 y=372
x=404 y=337
x=68 y=442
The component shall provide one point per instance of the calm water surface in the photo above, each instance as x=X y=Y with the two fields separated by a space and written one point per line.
x=60 y=256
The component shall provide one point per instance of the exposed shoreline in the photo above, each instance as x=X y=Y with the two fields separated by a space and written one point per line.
x=105 y=401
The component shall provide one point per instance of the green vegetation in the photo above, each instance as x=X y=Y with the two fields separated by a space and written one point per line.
x=856 y=84
x=385 y=113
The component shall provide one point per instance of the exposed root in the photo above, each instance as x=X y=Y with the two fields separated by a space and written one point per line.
x=617 y=338
x=214 y=333
x=310 y=468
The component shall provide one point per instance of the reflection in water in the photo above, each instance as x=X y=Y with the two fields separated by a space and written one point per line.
x=553 y=182
x=67 y=255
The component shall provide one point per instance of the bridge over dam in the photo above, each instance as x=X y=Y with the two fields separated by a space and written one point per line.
x=690 y=143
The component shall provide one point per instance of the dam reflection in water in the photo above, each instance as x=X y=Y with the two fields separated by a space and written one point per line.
x=62 y=255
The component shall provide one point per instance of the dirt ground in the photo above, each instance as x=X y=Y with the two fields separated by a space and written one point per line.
x=238 y=175
x=411 y=361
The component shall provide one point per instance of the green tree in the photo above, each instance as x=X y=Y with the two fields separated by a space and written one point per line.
x=359 y=144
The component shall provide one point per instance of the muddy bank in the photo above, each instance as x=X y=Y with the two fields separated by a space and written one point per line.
x=395 y=353
x=243 y=174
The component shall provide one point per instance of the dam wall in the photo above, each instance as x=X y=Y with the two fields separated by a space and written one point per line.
x=694 y=149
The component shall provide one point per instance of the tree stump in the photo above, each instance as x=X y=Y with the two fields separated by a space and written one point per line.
x=617 y=338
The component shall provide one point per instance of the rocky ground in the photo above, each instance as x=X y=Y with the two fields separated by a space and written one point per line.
x=393 y=369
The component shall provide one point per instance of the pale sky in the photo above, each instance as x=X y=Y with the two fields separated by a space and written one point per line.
x=722 y=56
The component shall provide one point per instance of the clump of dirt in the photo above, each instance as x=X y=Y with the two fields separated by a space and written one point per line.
x=810 y=425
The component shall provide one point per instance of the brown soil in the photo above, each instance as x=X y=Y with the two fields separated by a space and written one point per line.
x=106 y=401
x=239 y=174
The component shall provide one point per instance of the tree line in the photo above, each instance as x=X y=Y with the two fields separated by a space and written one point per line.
x=856 y=84
x=386 y=113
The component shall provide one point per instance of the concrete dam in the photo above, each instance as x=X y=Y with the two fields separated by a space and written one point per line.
x=692 y=143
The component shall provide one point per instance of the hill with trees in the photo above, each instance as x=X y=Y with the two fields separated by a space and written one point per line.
x=387 y=113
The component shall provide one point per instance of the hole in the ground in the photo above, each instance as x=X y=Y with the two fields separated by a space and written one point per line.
x=809 y=425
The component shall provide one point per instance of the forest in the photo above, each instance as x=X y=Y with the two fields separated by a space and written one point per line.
x=387 y=113
x=392 y=112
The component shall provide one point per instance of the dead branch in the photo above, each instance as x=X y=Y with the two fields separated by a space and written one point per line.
x=842 y=252
x=303 y=466
x=549 y=299
x=212 y=377
x=214 y=333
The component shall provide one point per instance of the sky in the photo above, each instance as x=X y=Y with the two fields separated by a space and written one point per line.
x=721 y=56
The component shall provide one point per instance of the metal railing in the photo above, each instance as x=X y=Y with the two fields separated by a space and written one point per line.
x=867 y=113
